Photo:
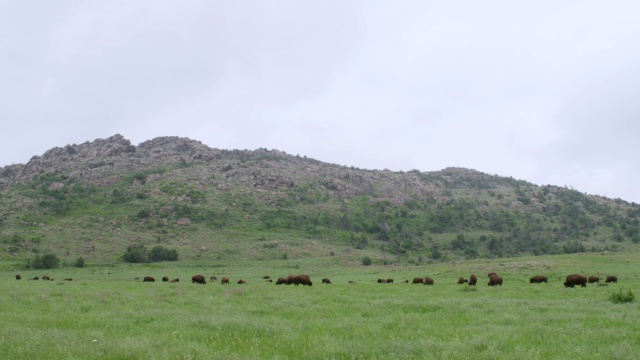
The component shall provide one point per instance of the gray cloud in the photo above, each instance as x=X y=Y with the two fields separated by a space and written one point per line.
x=542 y=91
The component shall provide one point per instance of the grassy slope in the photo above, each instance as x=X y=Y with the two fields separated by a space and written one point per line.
x=106 y=314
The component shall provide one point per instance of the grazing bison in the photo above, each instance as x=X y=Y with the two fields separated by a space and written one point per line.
x=18 y=277
x=291 y=280
x=575 y=279
x=266 y=277
x=351 y=282
x=473 y=279
x=148 y=279
x=326 y=281
x=46 y=277
x=538 y=279
x=418 y=281
x=495 y=280
x=268 y=280
x=593 y=279
x=491 y=274
x=174 y=280
x=213 y=278
x=240 y=282
x=428 y=281
x=67 y=279
x=389 y=281
x=198 y=279
x=462 y=281
x=225 y=280
x=611 y=278
x=34 y=278
x=303 y=279
x=165 y=278
x=382 y=281
x=281 y=281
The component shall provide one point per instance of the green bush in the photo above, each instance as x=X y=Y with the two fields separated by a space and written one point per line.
x=79 y=262
x=160 y=253
x=366 y=261
x=622 y=297
x=48 y=261
x=135 y=254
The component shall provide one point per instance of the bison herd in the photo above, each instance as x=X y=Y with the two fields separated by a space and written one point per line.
x=494 y=280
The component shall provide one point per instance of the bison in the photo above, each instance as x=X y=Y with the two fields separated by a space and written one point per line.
x=575 y=279
x=593 y=279
x=67 y=279
x=34 y=278
x=495 y=280
x=225 y=280
x=148 y=279
x=266 y=277
x=198 y=279
x=240 y=282
x=46 y=277
x=174 y=280
x=491 y=274
x=326 y=281
x=281 y=281
x=382 y=281
x=611 y=278
x=303 y=279
x=291 y=280
x=213 y=278
x=268 y=280
x=538 y=279
x=473 y=279
x=462 y=281
x=18 y=277
x=428 y=281
x=165 y=278
x=389 y=281
x=418 y=281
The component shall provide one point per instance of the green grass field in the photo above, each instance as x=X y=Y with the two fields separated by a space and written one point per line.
x=106 y=314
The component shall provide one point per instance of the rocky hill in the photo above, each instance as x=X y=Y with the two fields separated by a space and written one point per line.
x=96 y=198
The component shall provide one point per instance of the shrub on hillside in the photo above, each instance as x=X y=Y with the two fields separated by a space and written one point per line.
x=366 y=261
x=135 y=254
x=48 y=261
x=79 y=262
x=161 y=253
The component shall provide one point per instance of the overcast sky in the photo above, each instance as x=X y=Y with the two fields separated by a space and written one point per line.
x=544 y=91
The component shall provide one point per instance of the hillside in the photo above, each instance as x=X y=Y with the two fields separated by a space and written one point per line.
x=95 y=199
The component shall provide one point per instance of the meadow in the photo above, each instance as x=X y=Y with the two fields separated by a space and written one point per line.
x=105 y=313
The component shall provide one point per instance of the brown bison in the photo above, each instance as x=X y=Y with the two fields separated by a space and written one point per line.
x=473 y=279
x=611 y=278
x=326 y=281
x=268 y=280
x=213 y=278
x=538 y=279
x=198 y=279
x=148 y=279
x=281 y=281
x=491 y=274
x=174 y=280
x=266 y=277
x=240 y=282
x=225 y=280
x=418 y=281
x=303 y=279
x=593 y=279
x=18 y=277
x=389 y=281
x=462 y=281
x=575 y=279
x=495 y=280
x=382 y=281
x=46 y=277
x=428 y=281
x=291 y=280
x=165 y=278
x=34 y=278
x=67 y=279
